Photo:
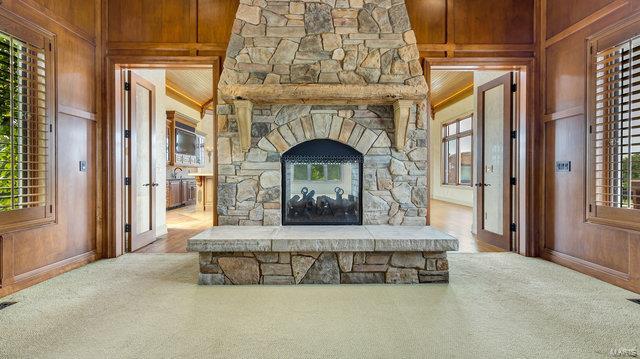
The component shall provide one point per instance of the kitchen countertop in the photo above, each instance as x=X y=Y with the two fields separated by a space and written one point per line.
x=200 y=174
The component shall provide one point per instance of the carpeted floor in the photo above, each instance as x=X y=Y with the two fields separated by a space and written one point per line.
x=498 y=305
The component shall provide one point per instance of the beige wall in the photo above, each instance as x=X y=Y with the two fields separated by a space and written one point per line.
x=455 y=194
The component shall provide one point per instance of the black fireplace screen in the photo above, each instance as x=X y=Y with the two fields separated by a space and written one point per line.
x=322 y=184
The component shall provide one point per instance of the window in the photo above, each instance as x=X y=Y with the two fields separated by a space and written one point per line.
x=456 y=150
x=317 y=172
x=614 y=128
x=25 y=127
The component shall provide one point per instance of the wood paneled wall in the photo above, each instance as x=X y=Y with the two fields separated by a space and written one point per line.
x=609 y=253
x=30 y=256
x=444 y=28
x=472 y=28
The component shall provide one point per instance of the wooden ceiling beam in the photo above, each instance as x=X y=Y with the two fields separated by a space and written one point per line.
x=205 y=106
x=457 y=96
x=180 y=96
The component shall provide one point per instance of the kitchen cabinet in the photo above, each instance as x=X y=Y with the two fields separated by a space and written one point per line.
x=181 y=192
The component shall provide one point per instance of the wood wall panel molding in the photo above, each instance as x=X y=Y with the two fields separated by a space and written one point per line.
x=570 y=112
x=600 y=14
x=606 y=251
x=47 y=14
x=76 y=112
x=33 y=255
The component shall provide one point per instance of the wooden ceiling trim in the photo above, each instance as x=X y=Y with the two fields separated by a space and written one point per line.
x=177 y=95
x=205 y=106
x=459 y=95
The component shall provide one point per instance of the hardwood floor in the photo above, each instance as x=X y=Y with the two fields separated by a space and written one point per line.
x=182 y=224
x=457 y=221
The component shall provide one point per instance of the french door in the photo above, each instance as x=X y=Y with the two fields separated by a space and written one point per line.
x=494 y=189
x=142 y=183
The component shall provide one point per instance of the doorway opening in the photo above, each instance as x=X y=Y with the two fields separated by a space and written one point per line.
x=477 y=114
x=168 y=149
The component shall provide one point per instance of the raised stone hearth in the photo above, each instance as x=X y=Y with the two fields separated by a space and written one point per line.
x=323 y=255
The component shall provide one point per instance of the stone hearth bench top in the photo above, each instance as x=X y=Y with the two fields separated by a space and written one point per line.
x=369 y=238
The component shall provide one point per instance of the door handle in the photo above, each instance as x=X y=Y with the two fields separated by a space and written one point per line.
x=486 y=184
x=145 y=185
x=155 y=184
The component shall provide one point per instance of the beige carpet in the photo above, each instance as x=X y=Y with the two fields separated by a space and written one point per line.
x=147 y=306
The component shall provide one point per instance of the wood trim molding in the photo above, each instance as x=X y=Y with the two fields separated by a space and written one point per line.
x=179 y=96
x=459 y=95
x=41 y=274
x=166 y=46
x=76 y=112
x=566 y=113
x=90 y=38
x=582 y=265
x=451 y=47
x=606 y=10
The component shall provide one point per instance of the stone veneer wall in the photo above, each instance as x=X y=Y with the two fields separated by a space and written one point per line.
x=394 y=182
x=329 y=41
x=323 y=267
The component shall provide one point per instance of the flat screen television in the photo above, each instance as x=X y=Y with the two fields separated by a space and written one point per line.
x=186 y=142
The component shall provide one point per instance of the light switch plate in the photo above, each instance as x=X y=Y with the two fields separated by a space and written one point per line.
x=83 y=166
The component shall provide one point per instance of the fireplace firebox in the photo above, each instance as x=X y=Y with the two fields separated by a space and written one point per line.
x=322 y=184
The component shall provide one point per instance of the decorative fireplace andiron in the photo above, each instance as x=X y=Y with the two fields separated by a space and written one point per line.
x=322 y=184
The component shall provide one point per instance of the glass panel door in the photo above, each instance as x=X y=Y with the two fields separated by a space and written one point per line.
x=142 y=162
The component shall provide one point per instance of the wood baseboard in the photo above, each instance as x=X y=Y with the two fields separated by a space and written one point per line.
x=605 y=274
x=41 y=274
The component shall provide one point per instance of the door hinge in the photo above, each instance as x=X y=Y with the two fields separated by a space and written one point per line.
x=50 y=208
x=514 y=134
x=127 y=181
x=127 y=86
x=513 y=181
x=513 y=227
x=514 y=87
x=590 y=208
x=127 y=228
x=50 y=127
x=50 y=47
x=127 y=133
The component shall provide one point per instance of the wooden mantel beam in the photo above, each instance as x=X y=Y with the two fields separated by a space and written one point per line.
x=325 y=94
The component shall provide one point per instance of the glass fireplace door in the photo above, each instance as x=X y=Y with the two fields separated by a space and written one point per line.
x=322 y=187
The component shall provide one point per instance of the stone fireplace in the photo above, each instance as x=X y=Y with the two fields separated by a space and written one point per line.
x=322 y=150
x=318 y=76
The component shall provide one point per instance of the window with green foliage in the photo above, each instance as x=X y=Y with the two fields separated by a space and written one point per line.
x=25 y=126
x=317 y=172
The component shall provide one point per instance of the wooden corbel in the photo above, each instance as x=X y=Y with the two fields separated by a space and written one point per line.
x=401 y=113
x=244 y=117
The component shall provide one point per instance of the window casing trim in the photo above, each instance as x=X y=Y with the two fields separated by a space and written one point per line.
x=457 y=136
x=34 y=35
x=606 y=40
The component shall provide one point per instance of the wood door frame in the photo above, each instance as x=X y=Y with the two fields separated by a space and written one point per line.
x=506 y=81
x=526 y=147
x=135 y=79
x=113 y=133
